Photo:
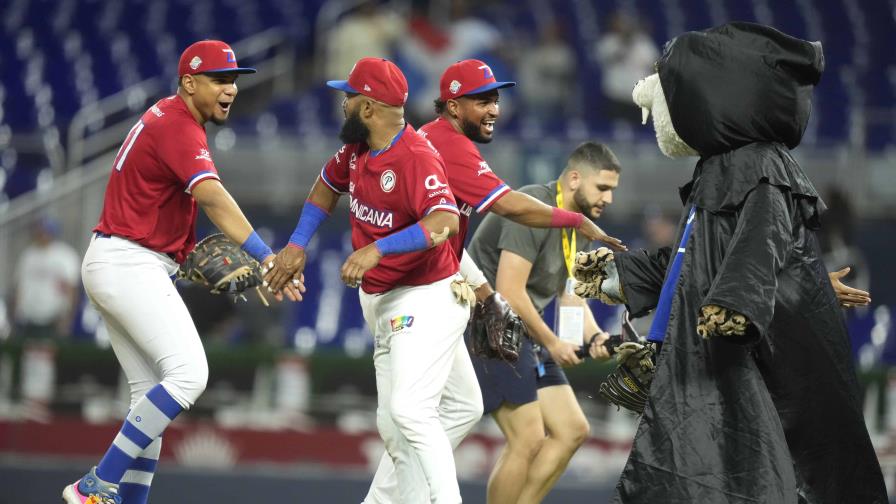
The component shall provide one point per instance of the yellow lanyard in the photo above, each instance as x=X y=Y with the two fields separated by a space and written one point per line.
x=568 y=252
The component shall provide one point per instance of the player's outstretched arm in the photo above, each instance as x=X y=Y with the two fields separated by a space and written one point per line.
x=290 y=261
x=528 y=211
x=513 y=274
x=430 y=231
x=224 y=213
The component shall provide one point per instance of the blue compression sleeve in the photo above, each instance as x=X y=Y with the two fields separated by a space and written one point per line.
x=256 y=247
x=312 y=217
x=409 y=239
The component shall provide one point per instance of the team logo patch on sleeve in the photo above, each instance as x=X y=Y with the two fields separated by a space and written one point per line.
x=402 y=322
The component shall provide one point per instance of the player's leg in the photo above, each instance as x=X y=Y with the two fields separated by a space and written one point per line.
x=422 y=356
x=142 y=375
x=153 y=319
x=523 y=428
x=459 y=410
x=567 y=428
x=461 y=405
x=390 y=486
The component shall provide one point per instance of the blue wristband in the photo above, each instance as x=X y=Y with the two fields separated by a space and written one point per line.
x=409 y=239
x=256 y=247
x=312 y=217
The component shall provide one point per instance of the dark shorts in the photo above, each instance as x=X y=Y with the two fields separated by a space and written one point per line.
x=517 y=383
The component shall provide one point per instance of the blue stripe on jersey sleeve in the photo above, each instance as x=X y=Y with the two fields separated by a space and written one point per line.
x=491 y=197
x=331 y=185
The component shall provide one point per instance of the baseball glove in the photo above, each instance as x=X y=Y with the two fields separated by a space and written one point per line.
x=496 y=332
x=629 y=385
x=222 y=266
x=597 y=276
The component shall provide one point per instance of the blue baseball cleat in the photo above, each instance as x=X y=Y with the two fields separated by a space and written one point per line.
x=91 y=490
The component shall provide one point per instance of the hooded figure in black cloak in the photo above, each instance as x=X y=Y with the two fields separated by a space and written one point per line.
x=754 y=397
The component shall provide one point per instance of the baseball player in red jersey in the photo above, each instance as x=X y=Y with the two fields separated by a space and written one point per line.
x=162 y=172
x=467 y=109
x=401 y=214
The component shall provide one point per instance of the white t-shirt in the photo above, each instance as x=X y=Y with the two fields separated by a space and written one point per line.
x=43 y=277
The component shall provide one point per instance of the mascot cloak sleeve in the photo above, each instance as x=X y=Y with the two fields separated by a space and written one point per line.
x=775 y=417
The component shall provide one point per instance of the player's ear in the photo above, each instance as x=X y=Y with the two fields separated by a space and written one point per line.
x=188 y=82
x=368 y=108
x=452 y=107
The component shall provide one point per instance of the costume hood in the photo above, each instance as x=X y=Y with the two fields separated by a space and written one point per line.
x=739 y=83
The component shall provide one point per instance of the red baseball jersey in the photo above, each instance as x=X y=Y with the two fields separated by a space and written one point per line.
x=390 y=190
x=474 y=185
x=148 y=198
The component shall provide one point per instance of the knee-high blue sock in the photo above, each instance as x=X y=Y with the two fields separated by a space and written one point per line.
x=135 y=484
x=145 y=422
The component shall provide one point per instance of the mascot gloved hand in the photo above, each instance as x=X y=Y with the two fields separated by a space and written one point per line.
x=597 y=276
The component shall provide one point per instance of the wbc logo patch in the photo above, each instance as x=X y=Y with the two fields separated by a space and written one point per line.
x=402 y=322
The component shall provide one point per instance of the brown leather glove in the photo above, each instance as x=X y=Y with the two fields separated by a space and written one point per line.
x=496 y=332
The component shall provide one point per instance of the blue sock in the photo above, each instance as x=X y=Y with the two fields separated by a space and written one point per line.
x=134 y=486
x=145 y=422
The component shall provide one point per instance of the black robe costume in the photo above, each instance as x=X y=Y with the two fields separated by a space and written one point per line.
x=774 y=418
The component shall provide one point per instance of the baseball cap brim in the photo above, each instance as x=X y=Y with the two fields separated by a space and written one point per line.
x=342 y=85
x=236 y=70
x=489 y=87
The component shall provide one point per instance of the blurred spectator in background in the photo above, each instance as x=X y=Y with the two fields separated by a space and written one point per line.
x=550 y=67
x=659 y=228
x=626 y=54
x=45 y=285
x=371 y=30
x=435 y=44
x=42 y=306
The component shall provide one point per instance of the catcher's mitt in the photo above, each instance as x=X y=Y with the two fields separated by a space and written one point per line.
x=597 y=276
x=222 y=266
x=496 y=332
x=629 y=385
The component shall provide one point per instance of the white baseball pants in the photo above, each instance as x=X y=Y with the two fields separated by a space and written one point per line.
x=150 y=329
x=427 y=393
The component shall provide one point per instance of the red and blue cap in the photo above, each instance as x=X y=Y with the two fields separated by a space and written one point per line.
x=375 y=78
x=209 y=56
x=468 y=77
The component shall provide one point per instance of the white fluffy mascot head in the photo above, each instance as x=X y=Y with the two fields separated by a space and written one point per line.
x=648 y=94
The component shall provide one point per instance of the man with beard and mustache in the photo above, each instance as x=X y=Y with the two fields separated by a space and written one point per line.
x=162 y=172
x=401 y=213
x=531 y=400
x=467 y=110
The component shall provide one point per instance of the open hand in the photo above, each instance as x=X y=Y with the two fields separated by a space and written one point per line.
x=846 y=295
x=591 y=231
